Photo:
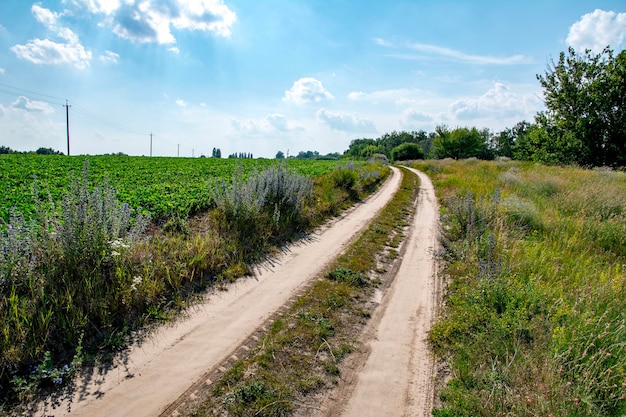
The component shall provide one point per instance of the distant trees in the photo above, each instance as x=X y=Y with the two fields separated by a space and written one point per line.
x=240 y=155
x=365 y=148
x=280 y=155
x=307 y=155
x=4 y=150
x=407 y=151
x=462 y=142
x=216 y=153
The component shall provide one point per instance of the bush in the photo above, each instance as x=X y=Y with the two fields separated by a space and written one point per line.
x=266 y=207
x=407 y=151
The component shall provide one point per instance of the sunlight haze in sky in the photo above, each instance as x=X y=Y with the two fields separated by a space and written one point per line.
x=277 y=75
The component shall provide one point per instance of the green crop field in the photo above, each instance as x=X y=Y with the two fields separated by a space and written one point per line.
x=162 y=186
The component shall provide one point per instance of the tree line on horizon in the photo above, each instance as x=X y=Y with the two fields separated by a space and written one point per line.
x=584 y=122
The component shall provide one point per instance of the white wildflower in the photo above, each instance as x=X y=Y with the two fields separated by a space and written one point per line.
x=118 y=244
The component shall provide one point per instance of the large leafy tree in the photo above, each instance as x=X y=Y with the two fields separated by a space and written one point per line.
x=585 y=120
x=459 y=143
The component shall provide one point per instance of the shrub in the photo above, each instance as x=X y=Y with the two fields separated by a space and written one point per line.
x=407 y=151
x=266 y=207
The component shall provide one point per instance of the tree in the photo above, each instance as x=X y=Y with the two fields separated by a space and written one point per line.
x=506 y=142
x=459 y=143
x=407 y=151
x=6 y=150
x=585 y=120
x=216 y=153
x=280 y=155
x=307 y=155
x=47 y=151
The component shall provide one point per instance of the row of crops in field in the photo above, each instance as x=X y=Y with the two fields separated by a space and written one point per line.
x=162 y=186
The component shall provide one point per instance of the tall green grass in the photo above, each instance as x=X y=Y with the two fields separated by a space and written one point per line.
x=535 y=313
x=81 y=278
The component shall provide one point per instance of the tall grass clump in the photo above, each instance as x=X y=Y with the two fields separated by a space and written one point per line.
x=535 y=309
x=266 y=207
x=58 y=283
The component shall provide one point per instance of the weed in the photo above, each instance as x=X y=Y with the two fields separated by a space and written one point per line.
x=348 y=276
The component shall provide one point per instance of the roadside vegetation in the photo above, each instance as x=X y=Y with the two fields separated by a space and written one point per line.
x=534 y=321
x=84 y=274
x=301 y=352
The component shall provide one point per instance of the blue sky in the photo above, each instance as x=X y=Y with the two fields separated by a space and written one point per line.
x=290 y=75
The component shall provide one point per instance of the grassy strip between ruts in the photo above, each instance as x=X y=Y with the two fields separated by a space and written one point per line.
x=297 y=359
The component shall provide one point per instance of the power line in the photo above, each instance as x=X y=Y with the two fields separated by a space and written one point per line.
x=93 y=116
x=30 y=92
x=77 y=109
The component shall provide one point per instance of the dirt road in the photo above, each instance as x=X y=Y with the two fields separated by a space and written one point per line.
x=395 y=375
x=156 y=373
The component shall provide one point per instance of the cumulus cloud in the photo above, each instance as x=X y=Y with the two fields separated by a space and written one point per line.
x=272 y=124
x=499 y=101
x=45 y=16
x=307 y=90
x=345 y=122
x=415 y=119
x=24 y=103
x=46 y=51
x=598 y=30
x=109 y=57
x=181 y=103
x=151 y=21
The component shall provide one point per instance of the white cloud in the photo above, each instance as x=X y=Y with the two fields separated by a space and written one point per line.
x=399 y=96
x=152 y=21
x=2 y=70
x=45 y=16
x=100 y=6
x=24 y=103
x=46 y=51
x=452 y=54
x=272 y=124
x=499 y=101
x=597 y=30
x=416 y=119
x=345 y=122
x=174 y=49
x=181 y=103
x=307 y=90
x=109 y=57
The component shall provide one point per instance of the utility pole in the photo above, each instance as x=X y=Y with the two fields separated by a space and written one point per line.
x=193 y=153
x=178 y=154
x=150 y=143
x=67 y=123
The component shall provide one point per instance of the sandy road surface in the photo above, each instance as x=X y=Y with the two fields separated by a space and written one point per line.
x=396 y=377
x=162 y=368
